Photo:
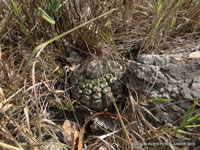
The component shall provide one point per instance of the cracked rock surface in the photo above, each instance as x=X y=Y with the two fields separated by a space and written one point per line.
x=166 y=77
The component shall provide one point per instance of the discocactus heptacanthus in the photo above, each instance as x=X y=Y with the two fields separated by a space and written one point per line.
x=97 y=82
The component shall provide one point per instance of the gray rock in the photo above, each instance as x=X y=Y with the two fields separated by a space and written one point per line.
x=101 y=123
x=166 y=77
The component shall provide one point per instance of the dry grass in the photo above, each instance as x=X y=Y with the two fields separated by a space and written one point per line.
x=34 y=90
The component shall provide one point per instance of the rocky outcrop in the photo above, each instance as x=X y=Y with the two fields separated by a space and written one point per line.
x=166 y=77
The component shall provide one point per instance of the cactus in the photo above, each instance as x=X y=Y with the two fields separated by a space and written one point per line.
x=97 y=82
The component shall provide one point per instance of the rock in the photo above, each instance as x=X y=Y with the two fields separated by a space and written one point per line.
x=165 y=77
x=102 y=123
x=68 y=128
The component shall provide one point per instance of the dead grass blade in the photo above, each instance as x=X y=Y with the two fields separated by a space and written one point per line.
x=9 y=147
x=55 y=138
x=9 y=135
x=123 y=125
x=36 y=103
x=80 y=137
x=3 y=26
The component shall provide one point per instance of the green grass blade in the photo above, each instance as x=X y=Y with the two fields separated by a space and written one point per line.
x=193 y=119
x=104 y=35
x=188 y=114
x=56 y=5
x=172 y=22
x=192 y=126
x=16 y=10
x=157 y=24
x=158 y=100
x=184 y=132
x=159 y=2
x=159 y=8
x=46 y=16
x=179 y=3
x=181 y=136
x=25 y=30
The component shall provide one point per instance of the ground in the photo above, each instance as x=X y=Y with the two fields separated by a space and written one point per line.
x=38 y=39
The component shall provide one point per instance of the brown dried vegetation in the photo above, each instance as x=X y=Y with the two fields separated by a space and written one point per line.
x=34 y=90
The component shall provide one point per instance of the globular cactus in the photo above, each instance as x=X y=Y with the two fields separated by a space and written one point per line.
x=97 y=82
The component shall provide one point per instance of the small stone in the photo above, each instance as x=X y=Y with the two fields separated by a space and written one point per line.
x=146 y=59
